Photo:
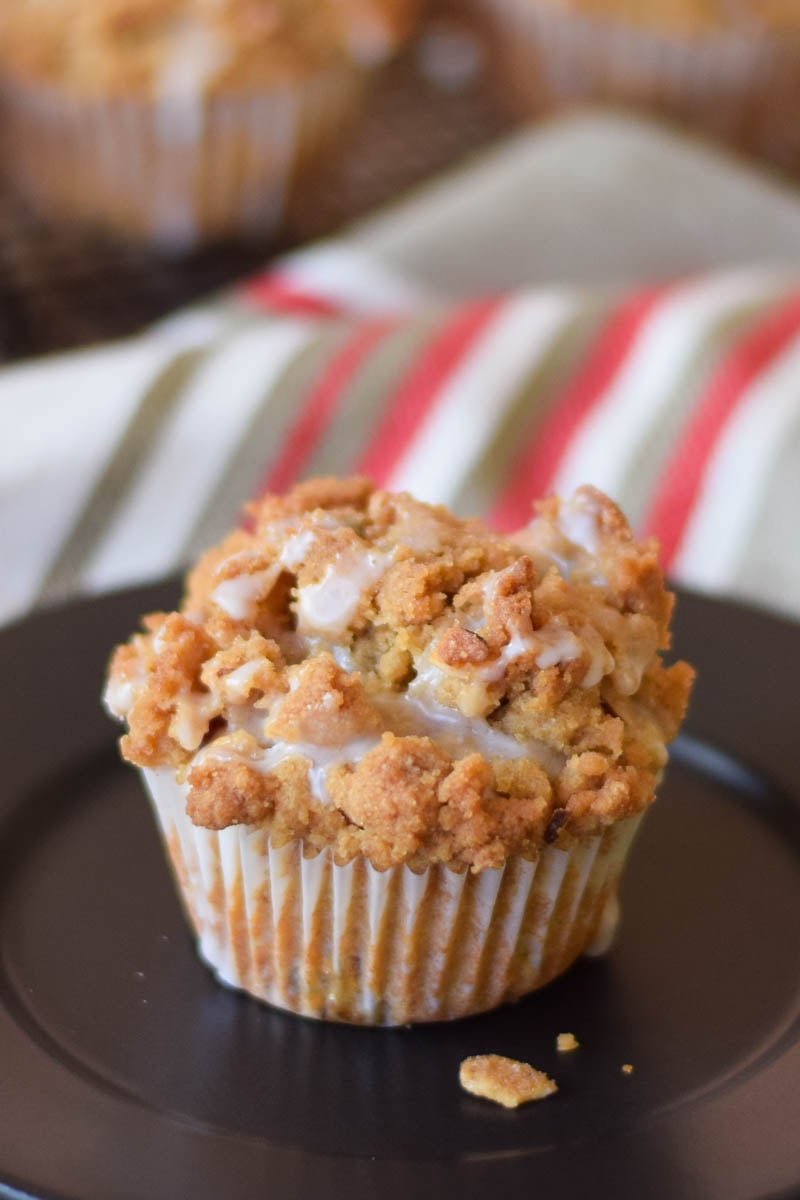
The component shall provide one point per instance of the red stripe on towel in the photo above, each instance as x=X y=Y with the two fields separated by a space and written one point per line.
x=278 y=294
x=534 y=470
x=415 y=396
x=681 y=480
x=321 y=405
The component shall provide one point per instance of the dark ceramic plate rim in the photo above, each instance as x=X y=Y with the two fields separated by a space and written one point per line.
x=753 y=743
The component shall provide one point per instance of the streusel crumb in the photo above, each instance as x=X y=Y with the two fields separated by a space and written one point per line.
x=504 y=1080
x=375 y=675
x=566 y=1042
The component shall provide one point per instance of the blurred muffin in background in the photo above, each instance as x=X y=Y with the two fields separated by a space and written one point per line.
x=727 y=67
x=181 y=121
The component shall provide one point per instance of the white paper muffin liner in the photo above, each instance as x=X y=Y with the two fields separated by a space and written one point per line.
x=176 y=172
x=385 y=948
x=731 y=83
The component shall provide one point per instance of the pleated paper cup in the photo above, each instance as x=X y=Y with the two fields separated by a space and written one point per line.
x=350 y=943
x=728 y=83
x=179 y=172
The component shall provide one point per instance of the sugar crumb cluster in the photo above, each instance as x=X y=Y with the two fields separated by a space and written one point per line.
x=511 y=1082
x=506 y=1081
x=565 y=1042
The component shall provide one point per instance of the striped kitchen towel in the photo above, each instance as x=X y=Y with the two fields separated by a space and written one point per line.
x=681 y=401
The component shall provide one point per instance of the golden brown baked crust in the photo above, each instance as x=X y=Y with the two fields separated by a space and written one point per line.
x=372 y=674
x=505 y=1081
x=152 y=48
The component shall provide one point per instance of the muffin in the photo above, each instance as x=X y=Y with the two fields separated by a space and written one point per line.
x=396 y=759
x=729 y=69
x=181 y=121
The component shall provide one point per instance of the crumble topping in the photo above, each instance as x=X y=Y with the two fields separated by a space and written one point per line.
x=566 y=1042
x=504 y=1080
x=370 y=673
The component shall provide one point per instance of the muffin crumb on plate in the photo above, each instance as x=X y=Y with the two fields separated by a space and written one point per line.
x=566 y=1042
x=503 y=1080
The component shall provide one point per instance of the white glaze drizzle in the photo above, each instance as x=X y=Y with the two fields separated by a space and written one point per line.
x=238 y=596
x=296 y=548
x=119 y=696
x=189 y=725
x=560 y=646
x=579 y=521
x=571 y=543
x=553 y=643
x=321 y=758
x=601 y=662
x=236 y=684
x=415 y=712
x=329 y=605
x=405 y=715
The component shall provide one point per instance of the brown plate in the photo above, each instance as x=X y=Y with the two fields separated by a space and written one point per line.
x=127 y=1073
